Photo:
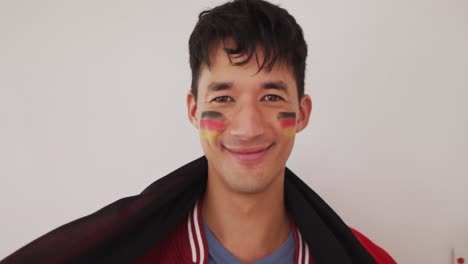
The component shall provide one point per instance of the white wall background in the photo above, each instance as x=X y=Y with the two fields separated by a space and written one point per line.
x=92 y=109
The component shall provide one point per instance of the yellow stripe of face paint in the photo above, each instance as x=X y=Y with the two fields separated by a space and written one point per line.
x=290 y=132
x=208 y=135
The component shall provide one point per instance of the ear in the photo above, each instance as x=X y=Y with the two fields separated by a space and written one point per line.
x=305 y=108
x=192 y=109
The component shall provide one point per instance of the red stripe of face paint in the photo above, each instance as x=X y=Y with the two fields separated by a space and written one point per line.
x=286 y=123
x=210 y=124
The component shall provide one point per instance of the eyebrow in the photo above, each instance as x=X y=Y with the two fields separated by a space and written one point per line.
x=219 y=86
x=276 y=85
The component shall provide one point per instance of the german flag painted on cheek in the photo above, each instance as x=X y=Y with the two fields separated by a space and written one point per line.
x=288 y=123
x=211 y=124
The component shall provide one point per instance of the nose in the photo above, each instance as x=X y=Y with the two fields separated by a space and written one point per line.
x=247 y=123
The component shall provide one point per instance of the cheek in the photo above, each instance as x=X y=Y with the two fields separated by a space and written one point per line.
x=288 y=127
x=212 y=123
x=287 y=122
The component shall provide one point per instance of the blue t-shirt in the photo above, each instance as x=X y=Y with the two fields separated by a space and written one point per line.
x=219 y=255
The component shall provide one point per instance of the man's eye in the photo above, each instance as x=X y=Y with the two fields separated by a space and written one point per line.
x=223 y=99
x=272 y=97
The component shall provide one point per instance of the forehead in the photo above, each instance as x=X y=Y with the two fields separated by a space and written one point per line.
x=223 y=68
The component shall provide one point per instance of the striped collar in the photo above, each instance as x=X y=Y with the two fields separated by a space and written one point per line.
x=199 y=246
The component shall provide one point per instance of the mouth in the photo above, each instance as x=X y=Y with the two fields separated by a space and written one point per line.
x=248 y=155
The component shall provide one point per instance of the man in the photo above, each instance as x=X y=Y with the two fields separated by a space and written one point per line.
x=239 y=203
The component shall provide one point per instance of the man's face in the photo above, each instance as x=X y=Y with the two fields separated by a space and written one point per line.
x=247 y=121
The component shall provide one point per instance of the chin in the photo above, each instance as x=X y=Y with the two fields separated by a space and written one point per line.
x=248 y=181
x=248 y=187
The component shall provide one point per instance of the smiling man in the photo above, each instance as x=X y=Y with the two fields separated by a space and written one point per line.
x=255 y=115
x=239 y=203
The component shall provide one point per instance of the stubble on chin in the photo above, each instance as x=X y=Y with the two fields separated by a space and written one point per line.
x=246 y=182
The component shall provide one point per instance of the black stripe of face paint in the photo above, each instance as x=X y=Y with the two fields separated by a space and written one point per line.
x=284 y=115
x=211 y=114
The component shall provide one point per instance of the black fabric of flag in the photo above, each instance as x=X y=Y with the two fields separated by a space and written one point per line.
x=126 y=229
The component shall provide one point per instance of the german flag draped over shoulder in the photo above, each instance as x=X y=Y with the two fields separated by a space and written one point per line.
x=128 y=228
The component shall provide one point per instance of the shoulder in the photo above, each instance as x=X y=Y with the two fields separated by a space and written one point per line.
x=378 y=253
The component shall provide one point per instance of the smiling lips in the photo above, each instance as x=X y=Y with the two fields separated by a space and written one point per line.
x=248 y=155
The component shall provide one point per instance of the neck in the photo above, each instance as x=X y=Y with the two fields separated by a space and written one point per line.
x=250 y=226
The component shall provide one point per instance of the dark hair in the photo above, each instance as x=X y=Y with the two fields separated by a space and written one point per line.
x=251 y=24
